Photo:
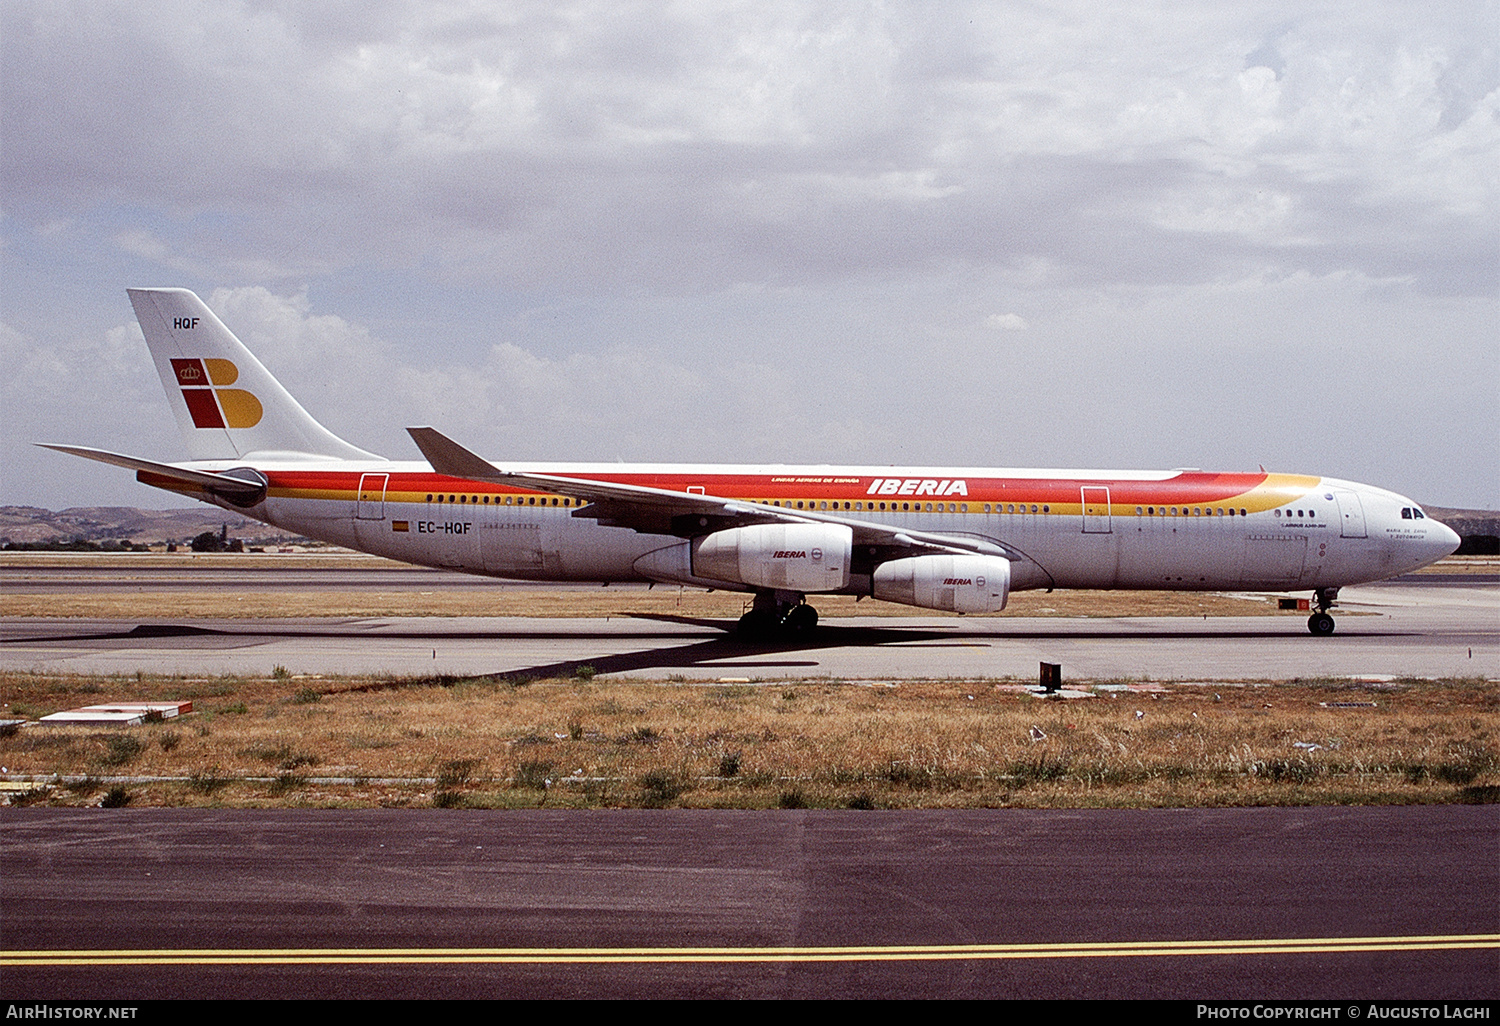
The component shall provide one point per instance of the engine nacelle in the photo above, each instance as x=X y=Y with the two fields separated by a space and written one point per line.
x=962 y=584
x=791 y=557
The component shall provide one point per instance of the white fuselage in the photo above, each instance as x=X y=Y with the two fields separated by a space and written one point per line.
x=1180 y=530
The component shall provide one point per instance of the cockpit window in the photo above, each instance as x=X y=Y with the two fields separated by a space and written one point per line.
x=1405 y=512
x=1417 y=513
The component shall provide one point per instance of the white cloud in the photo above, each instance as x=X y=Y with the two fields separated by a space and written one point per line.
x=1006 y=322
x=597 y=144
x=759 y=231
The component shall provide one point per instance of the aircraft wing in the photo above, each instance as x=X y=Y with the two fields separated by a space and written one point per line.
x=246 y=490
x=660 y=511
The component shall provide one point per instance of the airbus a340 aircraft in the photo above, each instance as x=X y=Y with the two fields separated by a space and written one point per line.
x=959 y=539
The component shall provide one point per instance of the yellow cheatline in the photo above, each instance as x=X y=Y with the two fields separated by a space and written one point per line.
x=954 y=952
x=342 y=494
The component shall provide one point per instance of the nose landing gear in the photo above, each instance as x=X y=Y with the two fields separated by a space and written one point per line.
x=1321 y=623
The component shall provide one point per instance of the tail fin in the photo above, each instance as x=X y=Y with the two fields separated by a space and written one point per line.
x=227 y=405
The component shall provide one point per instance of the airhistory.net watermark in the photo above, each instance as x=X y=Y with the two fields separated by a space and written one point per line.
x=69 y=1011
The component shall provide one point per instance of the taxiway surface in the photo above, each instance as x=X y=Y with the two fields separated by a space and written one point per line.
x=1407 y=628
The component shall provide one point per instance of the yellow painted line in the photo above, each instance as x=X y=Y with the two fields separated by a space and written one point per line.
x=907 y=953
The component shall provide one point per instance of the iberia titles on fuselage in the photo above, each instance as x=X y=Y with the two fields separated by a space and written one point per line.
x=944 y=538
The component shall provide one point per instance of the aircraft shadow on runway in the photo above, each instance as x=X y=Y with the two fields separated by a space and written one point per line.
x=733 y=652
x=728 y=651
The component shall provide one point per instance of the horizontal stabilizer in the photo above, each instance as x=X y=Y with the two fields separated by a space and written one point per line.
x=242 y=491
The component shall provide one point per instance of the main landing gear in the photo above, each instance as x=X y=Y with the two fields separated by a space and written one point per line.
x=778 y=614
x=1321 y=623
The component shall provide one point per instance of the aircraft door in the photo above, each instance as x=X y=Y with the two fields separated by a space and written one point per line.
x=1351 y=515
x=1274 y=560
x=371 y=504
x=1095 y=510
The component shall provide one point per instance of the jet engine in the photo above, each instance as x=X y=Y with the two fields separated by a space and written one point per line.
x=962 y=584
x=789 y=557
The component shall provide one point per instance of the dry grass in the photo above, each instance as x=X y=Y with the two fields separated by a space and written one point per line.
x=329 y=558
x=495 y=743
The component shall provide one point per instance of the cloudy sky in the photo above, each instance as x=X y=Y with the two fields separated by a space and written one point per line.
x=1140 y=235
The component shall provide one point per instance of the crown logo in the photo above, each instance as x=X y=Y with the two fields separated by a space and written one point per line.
x=216 y=406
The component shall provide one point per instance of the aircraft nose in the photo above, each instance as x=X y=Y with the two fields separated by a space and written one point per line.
x=1444 y=541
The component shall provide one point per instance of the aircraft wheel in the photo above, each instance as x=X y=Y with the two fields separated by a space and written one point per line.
x=802 y=619
x=1320 y=624
x=757 y=623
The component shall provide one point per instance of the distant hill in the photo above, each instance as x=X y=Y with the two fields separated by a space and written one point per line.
x=1479 y=528
x=125 y=523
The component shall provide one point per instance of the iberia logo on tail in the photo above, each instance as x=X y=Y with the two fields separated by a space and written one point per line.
x=211 y=404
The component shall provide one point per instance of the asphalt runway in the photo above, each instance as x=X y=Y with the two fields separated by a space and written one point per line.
x=1407 y=628
x=1343 y=904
